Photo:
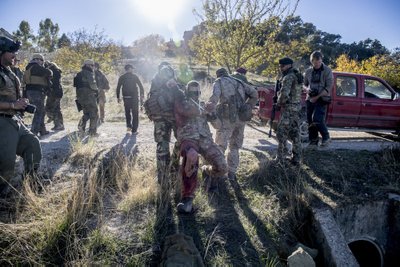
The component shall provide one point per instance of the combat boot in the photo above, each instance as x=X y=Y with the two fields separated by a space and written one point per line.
x=43 y=132
x=186 y=205
x=58 y=128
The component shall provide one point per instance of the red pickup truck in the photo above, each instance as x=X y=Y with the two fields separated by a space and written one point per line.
x=358 y=100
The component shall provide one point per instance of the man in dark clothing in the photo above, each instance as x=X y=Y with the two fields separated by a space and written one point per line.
x=86 y=94
x=54 y=95
x=131 y=85
x=15 y=138
x=37 y=80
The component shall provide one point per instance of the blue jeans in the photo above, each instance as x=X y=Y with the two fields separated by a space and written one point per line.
x=316 y=113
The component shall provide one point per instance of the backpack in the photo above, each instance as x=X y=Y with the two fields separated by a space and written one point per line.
x=151 y=106
x=180 y=250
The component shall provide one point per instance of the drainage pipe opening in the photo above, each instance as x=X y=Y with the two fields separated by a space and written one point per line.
x=367 y=252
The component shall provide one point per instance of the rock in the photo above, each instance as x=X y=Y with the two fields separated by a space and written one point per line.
x=300 y=258
x=311 y=251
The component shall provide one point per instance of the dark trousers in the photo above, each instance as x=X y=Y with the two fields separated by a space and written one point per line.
x=131 y=113
x=37 y=98
x=316 y=113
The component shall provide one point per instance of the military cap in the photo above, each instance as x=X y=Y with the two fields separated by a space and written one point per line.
x=241 y=70
x=285 y=61
x=8 y=45
x=128 y=66
x=221 y=72
x=38 y=56
x=193 y=85
x=88 y=62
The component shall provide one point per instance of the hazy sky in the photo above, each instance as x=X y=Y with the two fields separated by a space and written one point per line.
x=127 y=20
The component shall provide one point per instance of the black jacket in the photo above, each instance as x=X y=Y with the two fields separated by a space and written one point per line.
x=130 y=83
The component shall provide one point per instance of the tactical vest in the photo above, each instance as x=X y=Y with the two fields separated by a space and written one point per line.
x=8 y=90
x=33 y=79
x=231 y=105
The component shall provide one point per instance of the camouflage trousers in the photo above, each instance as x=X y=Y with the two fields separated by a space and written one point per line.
x=162 y=136
x=102 y=102
x=89 y=108
x=37 y=98
x=213 y=156
x=288 y=129
x=53 y=110
x=16 y=139
x=230 y=135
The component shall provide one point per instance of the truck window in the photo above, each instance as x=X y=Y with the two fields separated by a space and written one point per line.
x=376 y=89
x=346 y=86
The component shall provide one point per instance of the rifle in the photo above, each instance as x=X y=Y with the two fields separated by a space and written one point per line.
x=274 y=109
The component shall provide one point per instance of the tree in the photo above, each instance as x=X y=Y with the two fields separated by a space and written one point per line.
x=232 y=30
x=24 y=34
x=383 y=66
x=64 y=41
x=84 y=44
x=149 y=47
x=47 y=35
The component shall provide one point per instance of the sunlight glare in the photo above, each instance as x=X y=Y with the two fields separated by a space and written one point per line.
x=160 y=11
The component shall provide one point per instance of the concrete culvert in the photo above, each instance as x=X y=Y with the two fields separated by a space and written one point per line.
x=367 y=252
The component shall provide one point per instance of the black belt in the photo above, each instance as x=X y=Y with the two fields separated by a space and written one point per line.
x=6 y=115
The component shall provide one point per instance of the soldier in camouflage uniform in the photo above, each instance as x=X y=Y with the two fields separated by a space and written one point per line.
x=164 y=90
x=227 y=93
x=53 y=101
x=86 y=94
x=15 y=138
x=103 y=86
x=37 y=80
x=289 y=103
x=195 y=138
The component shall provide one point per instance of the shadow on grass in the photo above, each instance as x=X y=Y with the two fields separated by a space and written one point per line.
x=235 y=240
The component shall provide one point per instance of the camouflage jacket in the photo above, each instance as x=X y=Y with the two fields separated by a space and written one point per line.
x=225 y=87
x=191 y=124
x=290 y=91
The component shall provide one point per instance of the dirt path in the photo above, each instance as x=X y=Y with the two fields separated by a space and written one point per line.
x=256 y=137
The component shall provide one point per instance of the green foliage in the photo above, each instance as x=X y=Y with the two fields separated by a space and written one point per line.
x=94 y=45
x=233 y=33
x=24 y=34
x=48 y=35
x=151 y=46
x=63 y=41
x=383 y=66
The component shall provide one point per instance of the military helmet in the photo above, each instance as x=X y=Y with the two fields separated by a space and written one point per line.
x=88 y=62
x=38 y=56
x=167 y=72
x=221 y=72
x=8 y=45
x=162 y=64
x=193 y=87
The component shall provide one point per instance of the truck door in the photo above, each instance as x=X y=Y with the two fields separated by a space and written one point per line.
x=346 y=104
x=378 y=109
